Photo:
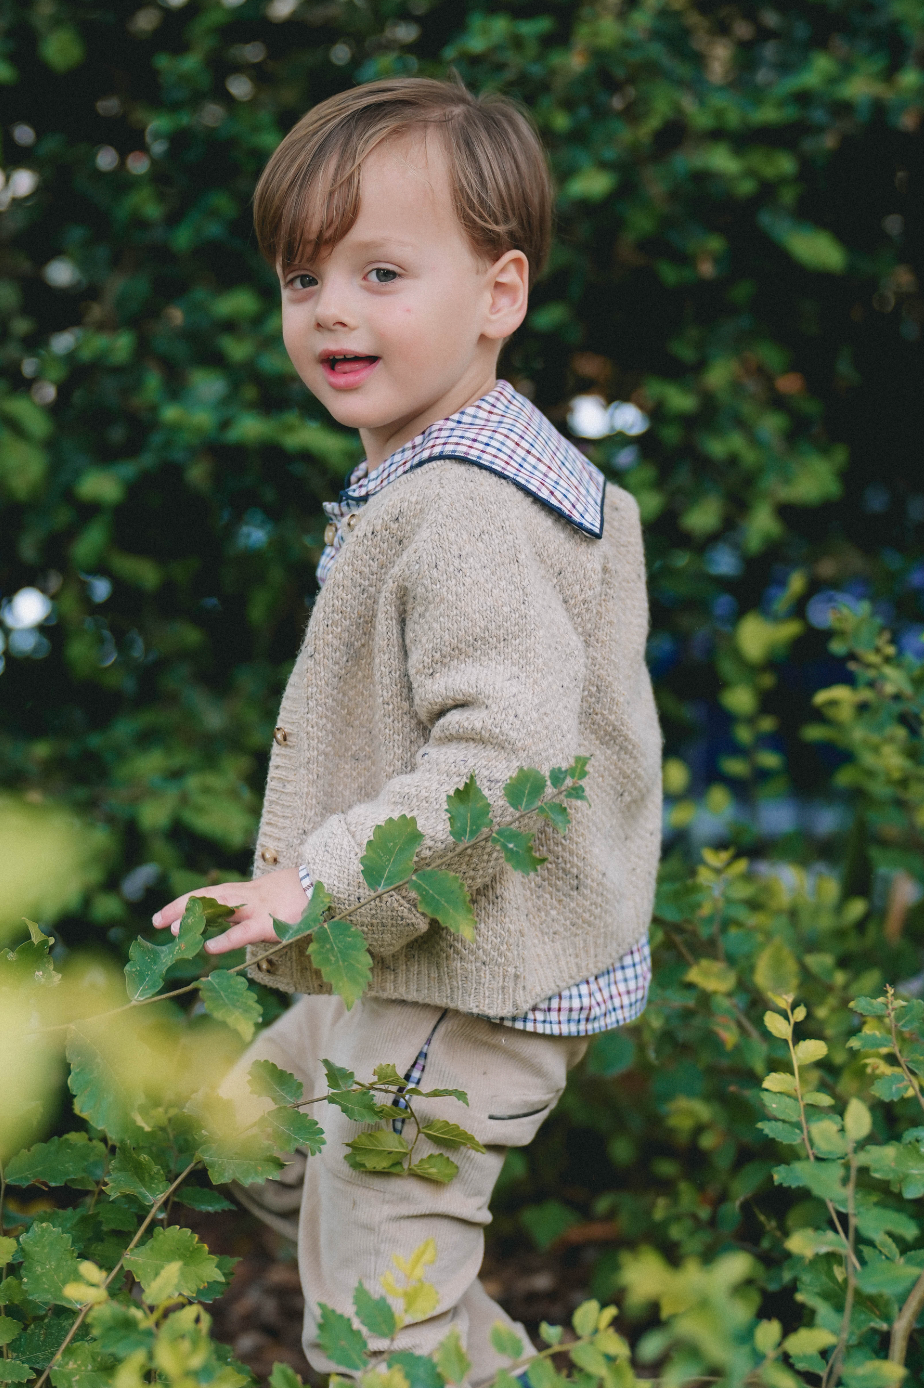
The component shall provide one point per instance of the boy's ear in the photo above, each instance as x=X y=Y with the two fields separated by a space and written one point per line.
x=508 y=286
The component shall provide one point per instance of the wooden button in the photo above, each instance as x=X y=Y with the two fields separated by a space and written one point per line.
x=269 y=857
x=352 y=520
x=280 y=737
x=330 y=533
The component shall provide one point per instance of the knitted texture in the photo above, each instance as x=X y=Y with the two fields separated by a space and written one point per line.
x=467 y=628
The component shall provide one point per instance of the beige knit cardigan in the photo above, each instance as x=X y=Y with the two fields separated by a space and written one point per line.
x=467 y=628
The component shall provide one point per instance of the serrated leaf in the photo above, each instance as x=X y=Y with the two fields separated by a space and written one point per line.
x=459 y=1094
x=781 y=1106
x=558 y=815
x=419 y=1369
x=148 y=963
x=359 y=1106
x=13 y=1371
x=290 y=1129
x=227 y=998
x=781 y=1132
x=338 y=1338
x=134 y=1173
x=387 y=1074
x=49 y=1264
x=100 y=1092
x=882 y=1276
x=450 y=1358
x=525 y=790
x=517 y=848
x=203 y=1199
x=435 y=1167
x=892 y=1087
x=558 y=776
x=382 y=1150
x=196 y=1265
x=318 y=905
x=777 y=1025
x=448 y=1134
x=892 y=1162
x=469 y=812
x=338 y=951
x=374 y=1312
x=823 y=1178
x=247 y=1158
x=389 y=855
x=869 y=1007
x=268 y=1081
x=9 y=1329
x=69 y=1160
x=579 y=768
x=808 y=1243
x=337 y=1077
x=506 y=1341
x=443 y=896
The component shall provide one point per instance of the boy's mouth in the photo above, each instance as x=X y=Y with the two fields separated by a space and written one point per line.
x=347 y=368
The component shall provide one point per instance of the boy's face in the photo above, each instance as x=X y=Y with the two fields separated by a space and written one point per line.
x=399 y=324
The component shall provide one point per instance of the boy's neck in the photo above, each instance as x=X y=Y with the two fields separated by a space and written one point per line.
x=380 y=443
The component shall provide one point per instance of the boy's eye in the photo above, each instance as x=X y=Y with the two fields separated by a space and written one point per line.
x=382 y=276
x=303 y=281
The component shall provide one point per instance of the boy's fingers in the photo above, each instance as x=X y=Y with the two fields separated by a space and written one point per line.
x=249 y=932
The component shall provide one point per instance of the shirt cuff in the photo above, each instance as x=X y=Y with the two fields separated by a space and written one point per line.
x=306 y=879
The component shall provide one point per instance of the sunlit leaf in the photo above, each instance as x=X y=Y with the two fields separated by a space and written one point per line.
x=448 y=1134
x=382 y=1150
x=268 y=1081
x=135 y=1173
x=469 y=812
x=228 y=999
x=435 y=1167
x=443 y=896
x=195 y=1265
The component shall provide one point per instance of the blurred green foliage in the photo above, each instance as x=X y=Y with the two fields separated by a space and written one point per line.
x=739 y=252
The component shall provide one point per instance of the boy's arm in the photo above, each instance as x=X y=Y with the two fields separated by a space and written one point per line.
x=496 y=671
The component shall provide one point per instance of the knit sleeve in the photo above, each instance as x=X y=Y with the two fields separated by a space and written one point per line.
x=495 y=668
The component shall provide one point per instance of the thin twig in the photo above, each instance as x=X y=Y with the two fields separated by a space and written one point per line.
x=81 y=1317
x=833 y=1370
x=896 y=1046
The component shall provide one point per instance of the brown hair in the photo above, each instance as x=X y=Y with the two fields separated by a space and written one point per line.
x=308 y=194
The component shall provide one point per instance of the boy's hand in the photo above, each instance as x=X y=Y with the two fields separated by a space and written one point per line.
x=278 y=894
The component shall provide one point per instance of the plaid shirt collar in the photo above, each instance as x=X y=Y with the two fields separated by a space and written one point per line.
x=503 y=433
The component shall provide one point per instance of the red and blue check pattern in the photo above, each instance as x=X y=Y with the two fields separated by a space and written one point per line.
x=505 y=434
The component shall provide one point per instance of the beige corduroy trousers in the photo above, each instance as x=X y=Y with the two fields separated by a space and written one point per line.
x=351 y=1222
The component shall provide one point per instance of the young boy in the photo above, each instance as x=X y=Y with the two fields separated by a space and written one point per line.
x=483 y=608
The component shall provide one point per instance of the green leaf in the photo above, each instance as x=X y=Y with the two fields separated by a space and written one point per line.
x=712 y=975
x=869 y=1007
x=338 y=951
x=882 y=1275
x=290 y=1129
x=811 y=246
x=387 y=1074
x=248 y=1158
x=443 y=896
x=318 y=906
x=459 y=1094
x=576 y=793
x=144 y=974
x=69 y=1160
x=228 y=999
x=589 y=1358
x=337 y=1077
x=134 y=1173
x=99 y=1090
x=823 y=1178
x=203 y=1199
x=776 y=969
x=782 y=1132
x=389 y=855
x=584 y=1319
x=809 y=1340
x=469 y=811
x=284 y=1376
x=891 y=1162
x=517 y=848
x=374 y=1312
x=12 y=1371
x=9 y=1329
x=547 y=1221
x=781 y=1106
x=338 y=1338
x=419 y=1369
x=174 y=1245
x=558 y=776
x=506 y=1341
x=359 y=1106
x=435 y=1167
x=451 y=1359
x=383 y=1150
x=7 y=1249
x=83 y=1366
x=525 y=790
x=268 y=1081
x=49 y=1264
x=558 y=815
x=551 y=1334
x=448 y=1134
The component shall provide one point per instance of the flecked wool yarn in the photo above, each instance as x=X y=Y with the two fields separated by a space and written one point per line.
x=467 y=628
